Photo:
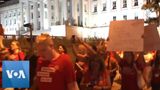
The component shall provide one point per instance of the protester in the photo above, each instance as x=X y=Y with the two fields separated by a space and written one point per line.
x=1 y=42
x=112 y=65
x=54 y=71
x=148 y=74
x=81 y=61
x=33 y=59
x=62 y=49
x=128 y=71
x=2 y=57
x=3 y=50
x=15 y=51
x=143 y=71
x=94 y=76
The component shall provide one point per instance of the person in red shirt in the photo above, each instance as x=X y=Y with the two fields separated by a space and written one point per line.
x=16 y=53
x=54 y=71
x=62 y=49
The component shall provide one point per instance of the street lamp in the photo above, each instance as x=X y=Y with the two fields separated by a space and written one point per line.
x=30 y=26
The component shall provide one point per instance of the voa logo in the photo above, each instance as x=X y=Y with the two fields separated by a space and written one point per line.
x=17 y=74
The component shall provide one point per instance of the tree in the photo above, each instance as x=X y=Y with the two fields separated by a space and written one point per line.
x=153 y=6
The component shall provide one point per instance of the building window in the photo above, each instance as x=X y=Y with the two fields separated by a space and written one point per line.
x=31 y=15
x=10 y=22
x=6 y=16
x=85 y=21
x=114 y=18
x=45 y=15
x=38 y=5
x=68 y=3
x=14 y=21
x=52 y=17
x=52 y=23
x=125 y=17
x=6 y=22
x=68 y=10
x=124 y=3
x=78 y=7
x=114 y=5
x=135 y=2
x=52 y=7
x=95 y=8
x=14 y=14
x=9 y=15
x=85 y=8
x=79 y=22
x=19 y=13
x=38 y=14
x=31 y=6
x=104 y=7
x=45 y=5
x=136 y=17
x=39 y=25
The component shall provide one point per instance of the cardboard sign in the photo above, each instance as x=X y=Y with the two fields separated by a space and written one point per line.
x=126 y=35
x=151 y=38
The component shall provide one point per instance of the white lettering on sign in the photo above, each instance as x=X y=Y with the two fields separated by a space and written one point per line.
x=13 y=73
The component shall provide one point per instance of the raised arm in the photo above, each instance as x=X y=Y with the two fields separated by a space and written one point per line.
x=116 y=56
x=89 y=48
x=75 y=52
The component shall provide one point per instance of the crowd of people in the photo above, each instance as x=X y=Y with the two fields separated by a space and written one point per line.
x=94 y=68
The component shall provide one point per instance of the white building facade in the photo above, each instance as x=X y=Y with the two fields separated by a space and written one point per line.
x=99 y=13
x=10 y=17
x=87 y=13
x=41 y=13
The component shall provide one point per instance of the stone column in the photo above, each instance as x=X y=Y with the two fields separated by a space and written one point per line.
x=28 y=11
x=42 y=14
x=49 y=13
x=35 y=16
x=22 y=13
